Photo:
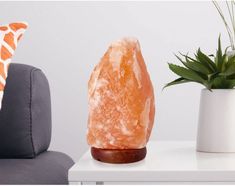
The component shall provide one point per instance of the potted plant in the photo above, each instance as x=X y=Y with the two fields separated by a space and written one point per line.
x=216 y=124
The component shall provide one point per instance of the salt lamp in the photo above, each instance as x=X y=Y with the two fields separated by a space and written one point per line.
x=121 y=105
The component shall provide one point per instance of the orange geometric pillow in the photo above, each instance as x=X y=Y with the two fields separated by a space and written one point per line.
x=9 y=36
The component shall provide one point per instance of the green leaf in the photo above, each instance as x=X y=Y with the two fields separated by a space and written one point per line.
x=222 y=83
x=231 y=60
x=219 y=56
x=219 y=83
x=196 y=66
x=231 y=83
x=186 y=73
x=231 y=77
x=206 y=61
x=224 y=62
x=194 y=60
x=212 y=76
x=230 y=70
x=183 y=62
x=177 y=81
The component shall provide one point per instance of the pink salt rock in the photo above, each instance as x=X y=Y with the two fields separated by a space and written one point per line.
x=121 y=99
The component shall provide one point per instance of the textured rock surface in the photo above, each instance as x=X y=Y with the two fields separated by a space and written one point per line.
x=121 y=99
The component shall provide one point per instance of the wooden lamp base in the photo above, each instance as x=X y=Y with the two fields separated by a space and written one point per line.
x=118 y=155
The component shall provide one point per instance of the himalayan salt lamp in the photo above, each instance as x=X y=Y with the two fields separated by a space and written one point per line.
x=121 y=105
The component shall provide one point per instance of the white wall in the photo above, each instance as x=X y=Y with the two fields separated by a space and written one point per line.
x=67 y=39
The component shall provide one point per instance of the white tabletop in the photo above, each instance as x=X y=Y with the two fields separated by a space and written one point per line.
x=166 y=161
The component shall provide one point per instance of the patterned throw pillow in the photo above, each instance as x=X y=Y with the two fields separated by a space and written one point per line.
x=9 y=36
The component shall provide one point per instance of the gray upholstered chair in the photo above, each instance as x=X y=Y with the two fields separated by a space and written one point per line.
x=25 y=131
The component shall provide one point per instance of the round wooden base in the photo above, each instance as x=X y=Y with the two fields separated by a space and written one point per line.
x=118 y=155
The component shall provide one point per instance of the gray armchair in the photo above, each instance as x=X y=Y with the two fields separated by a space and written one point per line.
x=25 y=131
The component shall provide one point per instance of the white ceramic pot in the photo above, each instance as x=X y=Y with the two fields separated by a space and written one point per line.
x=216 y=125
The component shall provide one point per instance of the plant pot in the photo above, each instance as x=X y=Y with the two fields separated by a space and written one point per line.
x=216 y=125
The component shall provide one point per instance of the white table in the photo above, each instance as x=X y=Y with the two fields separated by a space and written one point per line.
x=166 y=162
